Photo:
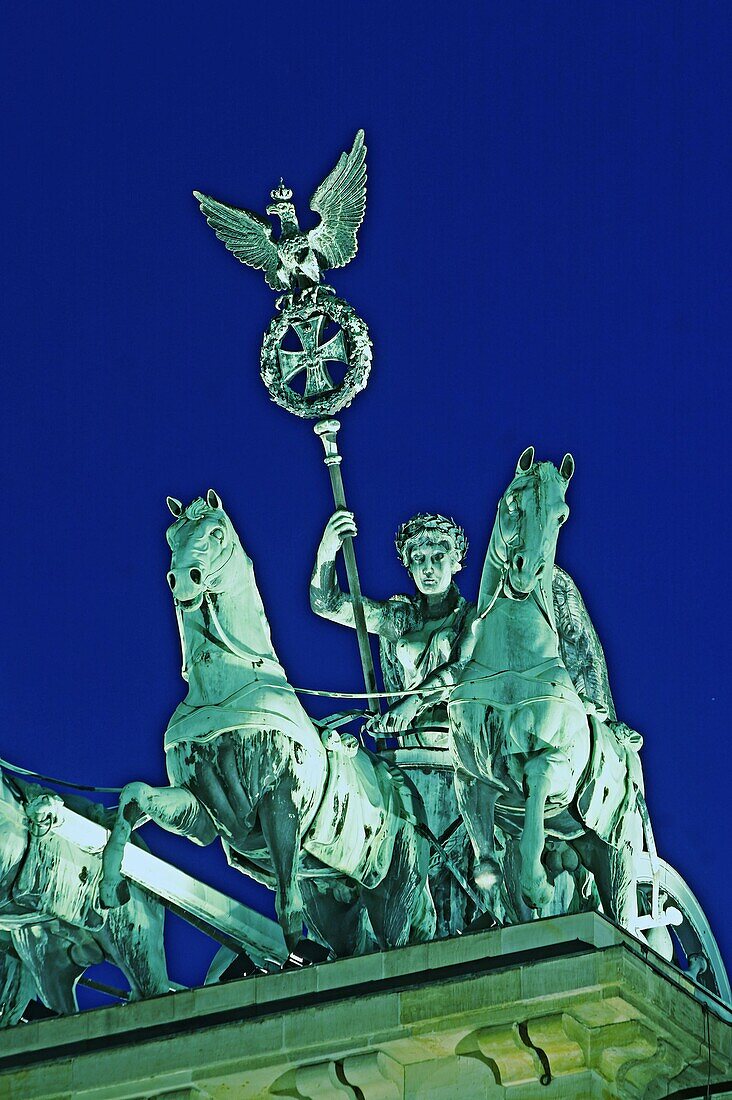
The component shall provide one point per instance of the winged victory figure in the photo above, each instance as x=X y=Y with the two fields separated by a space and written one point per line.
x=299 y=257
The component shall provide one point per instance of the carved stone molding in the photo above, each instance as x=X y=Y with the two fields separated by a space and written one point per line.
x=377 y=1075
x=323 y=1081
x=570 y=999
x=616 y=1046
x=370 y=1076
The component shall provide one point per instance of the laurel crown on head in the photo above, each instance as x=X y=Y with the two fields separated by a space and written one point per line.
x=281 y=193
x=430 y=525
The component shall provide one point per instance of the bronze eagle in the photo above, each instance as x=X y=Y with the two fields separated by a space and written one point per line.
x=298 y=258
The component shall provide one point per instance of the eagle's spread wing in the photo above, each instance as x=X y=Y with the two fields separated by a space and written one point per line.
x=579 y=644
x=341 y=202
x=245 y=234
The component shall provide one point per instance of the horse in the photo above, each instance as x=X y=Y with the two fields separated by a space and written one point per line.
x=522 y=742
x=50 y=929
x=333 y=828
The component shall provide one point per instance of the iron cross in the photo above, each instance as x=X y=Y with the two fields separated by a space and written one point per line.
x=313 y=357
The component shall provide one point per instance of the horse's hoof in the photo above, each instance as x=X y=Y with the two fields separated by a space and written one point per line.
x=538 y=892
x=111 y=895
x=487 y=874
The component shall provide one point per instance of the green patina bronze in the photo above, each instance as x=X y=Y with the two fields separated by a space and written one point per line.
x=51 y=926
x=520 y=733
x=332 y=828
x=297 y=260
x=501 y=709
x=295 y=263
x=509 y=789
x=417 y=634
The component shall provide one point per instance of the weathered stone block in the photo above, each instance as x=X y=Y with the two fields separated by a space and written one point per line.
x=605 y=1024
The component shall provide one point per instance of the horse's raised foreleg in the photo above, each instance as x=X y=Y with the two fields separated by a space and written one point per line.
x=477 y=804
x=280 y=823
x=173 y=808
x=535 y=885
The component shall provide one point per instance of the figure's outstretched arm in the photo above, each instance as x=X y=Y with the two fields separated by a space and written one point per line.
x=327 y=598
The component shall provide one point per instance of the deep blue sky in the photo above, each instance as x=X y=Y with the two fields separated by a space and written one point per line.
x=545 y=259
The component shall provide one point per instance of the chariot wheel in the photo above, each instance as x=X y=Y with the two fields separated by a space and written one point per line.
x=696 y=949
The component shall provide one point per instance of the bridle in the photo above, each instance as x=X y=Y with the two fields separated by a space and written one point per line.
x=206 y=598
x=507 y=543
x=502 y=553
x=258 y=660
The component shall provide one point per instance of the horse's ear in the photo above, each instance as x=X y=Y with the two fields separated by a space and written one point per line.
x=526 y=461
x=175 y=506
x=567 y=467
x=213 y=499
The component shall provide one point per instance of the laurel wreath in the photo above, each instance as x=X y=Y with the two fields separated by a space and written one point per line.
x=358 y=351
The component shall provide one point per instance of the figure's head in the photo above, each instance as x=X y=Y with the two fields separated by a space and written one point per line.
x=432 y=548
x=202 y=541
x=530 y=514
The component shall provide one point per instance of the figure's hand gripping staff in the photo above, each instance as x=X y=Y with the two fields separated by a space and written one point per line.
x=328 y=431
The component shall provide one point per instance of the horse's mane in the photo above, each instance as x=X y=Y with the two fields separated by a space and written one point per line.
x=545 y=471
x=199 y=508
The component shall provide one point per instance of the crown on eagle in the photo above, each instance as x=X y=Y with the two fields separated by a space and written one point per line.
x=281 y=193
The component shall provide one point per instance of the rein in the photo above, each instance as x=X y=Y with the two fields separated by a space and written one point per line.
x=503 y=560
x=251 y=657
x=236 y=652
x=234 y=649
x=179 y=616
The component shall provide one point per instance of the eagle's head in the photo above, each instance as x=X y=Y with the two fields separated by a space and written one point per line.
x=283 y=210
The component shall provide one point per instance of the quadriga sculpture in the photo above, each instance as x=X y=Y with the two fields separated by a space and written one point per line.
x=50 y=929
x=330 y=826
x=523 y=744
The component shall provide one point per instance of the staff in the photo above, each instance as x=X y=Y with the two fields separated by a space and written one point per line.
x=328 y=431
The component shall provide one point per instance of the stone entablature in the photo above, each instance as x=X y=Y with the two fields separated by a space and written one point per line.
x=572 y=1001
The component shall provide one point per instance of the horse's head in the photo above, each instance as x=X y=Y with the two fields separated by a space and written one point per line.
x=530 y=514
x=203 y=542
